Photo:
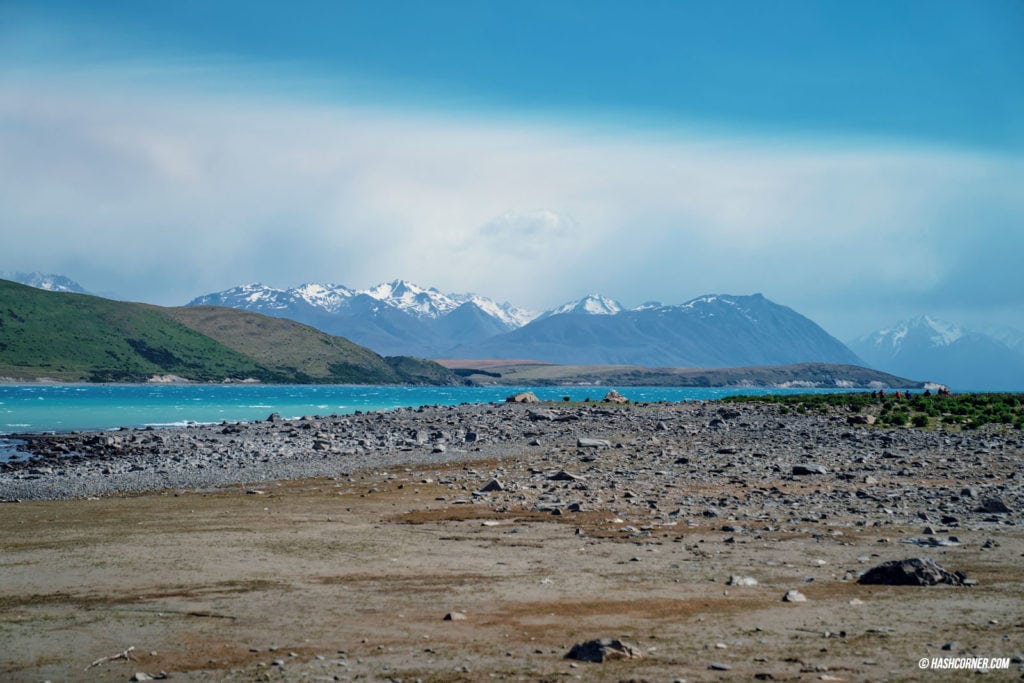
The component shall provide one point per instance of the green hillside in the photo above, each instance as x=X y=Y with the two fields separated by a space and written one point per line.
x=75 y=337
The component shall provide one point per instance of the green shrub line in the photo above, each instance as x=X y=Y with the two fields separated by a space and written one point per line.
x=914 y=410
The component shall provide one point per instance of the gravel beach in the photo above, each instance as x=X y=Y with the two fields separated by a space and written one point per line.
x=703 y=533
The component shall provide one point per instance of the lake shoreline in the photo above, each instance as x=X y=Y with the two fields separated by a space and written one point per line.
x=457 y=542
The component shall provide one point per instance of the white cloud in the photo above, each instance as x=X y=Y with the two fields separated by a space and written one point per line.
x=166 y=195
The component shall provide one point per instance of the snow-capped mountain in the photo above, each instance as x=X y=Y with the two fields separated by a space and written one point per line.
x=393 y=318
x=402 y=318
x=47 y=281
x=709 y=331
x=592 y=304
x=944 y=352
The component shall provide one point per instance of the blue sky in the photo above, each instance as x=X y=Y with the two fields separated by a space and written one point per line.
x=860 y=162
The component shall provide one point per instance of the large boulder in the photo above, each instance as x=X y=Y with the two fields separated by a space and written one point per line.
x=614 y=397
x=919 y=571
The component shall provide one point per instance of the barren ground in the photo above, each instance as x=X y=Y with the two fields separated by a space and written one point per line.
x=350 y=579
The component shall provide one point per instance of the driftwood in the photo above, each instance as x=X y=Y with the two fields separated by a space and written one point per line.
x=125 y=655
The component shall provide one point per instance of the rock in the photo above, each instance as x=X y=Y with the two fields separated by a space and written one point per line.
x=921 y=571
x=455 y=616
x=524 y=397
x=141 y=676
x=603 y=650
x=274 y=417
x=614 y=397
x=719 y=666
x=491 y=486
x=583 y=442
x=741 y=581
x=809 y=468
x=794 y=596
x=861 y=420
x=993 y=505
x=562 y=475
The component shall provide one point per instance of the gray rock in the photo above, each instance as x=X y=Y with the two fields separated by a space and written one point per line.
x=603 y=650
x=584 y=442
x=562 y=475
x=492 y=486
x=809 y=468
x=921 y=571
x=994 y=505
x=794 y=596
x=455 y=616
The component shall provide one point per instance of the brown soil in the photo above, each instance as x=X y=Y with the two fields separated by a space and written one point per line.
x=334 y=580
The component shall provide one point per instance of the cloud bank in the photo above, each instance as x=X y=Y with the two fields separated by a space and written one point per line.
x=165 y=194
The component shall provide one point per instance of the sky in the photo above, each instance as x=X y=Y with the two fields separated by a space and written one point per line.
x=861 y=162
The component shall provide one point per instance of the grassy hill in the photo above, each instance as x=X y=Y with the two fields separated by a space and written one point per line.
x=76 y=337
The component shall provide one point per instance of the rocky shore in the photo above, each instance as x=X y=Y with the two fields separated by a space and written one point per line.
x=657 y=542
x=557 y=457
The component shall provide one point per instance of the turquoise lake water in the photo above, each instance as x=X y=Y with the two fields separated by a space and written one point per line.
x=72 y=407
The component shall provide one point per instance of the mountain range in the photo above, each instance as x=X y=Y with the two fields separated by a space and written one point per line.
x=712 y=331
x=944 y=352
x=393 y=318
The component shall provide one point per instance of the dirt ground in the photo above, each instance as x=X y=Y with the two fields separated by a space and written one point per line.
x=351 y=579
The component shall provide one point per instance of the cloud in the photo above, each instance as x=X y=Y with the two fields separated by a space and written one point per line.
x=166 y=194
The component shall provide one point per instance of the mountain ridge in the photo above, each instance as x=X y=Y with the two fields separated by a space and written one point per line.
x=401 y=317
x=945 y=352
x=710 y=331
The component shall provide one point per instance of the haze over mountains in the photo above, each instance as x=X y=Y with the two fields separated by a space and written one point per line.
x=956 y=356
x=711 y=331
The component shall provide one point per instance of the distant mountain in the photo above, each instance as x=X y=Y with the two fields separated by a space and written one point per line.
x=592 y=304
x=1010 y=336
x=47 y=281
x=76 y=337
x=712 y=331
x=944 y=352
x=393 y=318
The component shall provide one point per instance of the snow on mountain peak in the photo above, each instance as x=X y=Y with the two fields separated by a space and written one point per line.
x=937 y=332
x=943 y=333
x=330 y=297
x=413 y=299
x=592 y=304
